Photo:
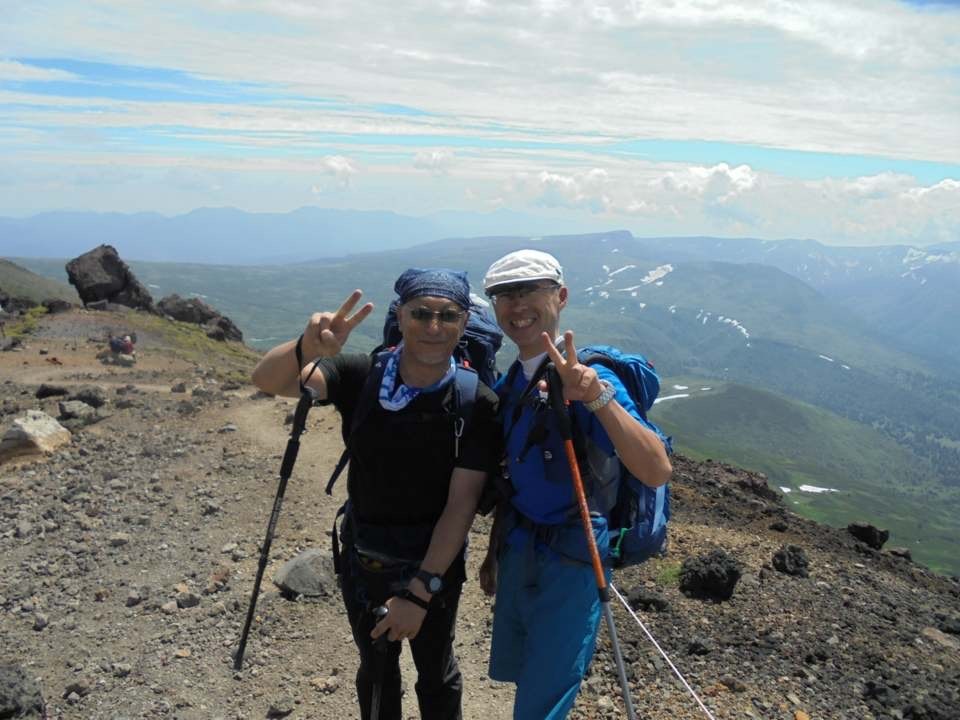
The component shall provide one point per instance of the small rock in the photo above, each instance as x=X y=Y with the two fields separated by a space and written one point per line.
x=80 y=688
x=133 y=598
x=326 y=685
x=792 y=560
x=280 y=708
x=182 y=653
x=119 y=539
x=187 y=600
x=40 y=621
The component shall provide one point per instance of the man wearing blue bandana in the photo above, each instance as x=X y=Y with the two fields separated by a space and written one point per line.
x=547 y=609
x=413 y=482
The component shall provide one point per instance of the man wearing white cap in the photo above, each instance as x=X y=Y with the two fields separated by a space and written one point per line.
x=547 y=608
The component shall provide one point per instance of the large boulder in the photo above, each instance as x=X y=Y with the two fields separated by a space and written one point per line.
x=196 y=311
x=869 y=534
x=100 y=276
x=310 y=574
x=34 y=432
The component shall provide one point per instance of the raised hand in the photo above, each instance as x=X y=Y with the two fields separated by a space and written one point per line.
x=580 y=382
x=326 y=333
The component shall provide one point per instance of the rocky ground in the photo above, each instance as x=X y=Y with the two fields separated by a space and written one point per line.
x=127 y=558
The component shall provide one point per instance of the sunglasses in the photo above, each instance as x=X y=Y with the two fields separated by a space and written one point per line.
x=519 y=292
x=447 y=316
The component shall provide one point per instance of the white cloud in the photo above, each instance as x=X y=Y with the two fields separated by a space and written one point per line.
x=437 y=162
x=341 y=171
x=11 y=70
x=882 y=209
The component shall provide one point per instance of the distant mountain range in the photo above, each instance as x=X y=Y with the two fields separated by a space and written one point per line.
x=234 y=237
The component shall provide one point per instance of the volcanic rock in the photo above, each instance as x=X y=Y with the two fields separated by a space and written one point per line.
x=101 y=276
x=194 y=310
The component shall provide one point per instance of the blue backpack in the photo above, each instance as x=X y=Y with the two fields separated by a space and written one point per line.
x=637 y=518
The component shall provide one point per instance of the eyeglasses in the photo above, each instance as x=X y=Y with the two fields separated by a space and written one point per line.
x=447 y=316
x=518 y=293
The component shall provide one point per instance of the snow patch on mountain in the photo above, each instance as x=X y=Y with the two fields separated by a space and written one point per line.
x=657 y=274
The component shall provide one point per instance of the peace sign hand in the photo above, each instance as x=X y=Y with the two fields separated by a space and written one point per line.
x=326 y=333
x=580 y=382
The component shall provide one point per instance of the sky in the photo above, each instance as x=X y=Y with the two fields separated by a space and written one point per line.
x=837 y=121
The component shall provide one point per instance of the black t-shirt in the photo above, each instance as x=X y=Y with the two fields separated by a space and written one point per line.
x=401 y=461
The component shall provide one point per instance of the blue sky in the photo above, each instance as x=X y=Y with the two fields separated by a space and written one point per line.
x=837 y=121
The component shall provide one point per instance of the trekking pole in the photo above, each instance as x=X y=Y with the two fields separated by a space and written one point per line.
x=380 y=647
x=286 y=468
x=555 y=393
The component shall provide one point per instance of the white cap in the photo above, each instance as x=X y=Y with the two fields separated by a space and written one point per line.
x=523 y=266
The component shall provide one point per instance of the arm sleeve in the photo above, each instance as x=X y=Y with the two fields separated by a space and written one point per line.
x=344 y=375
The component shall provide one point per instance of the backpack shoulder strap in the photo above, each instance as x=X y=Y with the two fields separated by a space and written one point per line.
x=466 y=388
x=368 y=396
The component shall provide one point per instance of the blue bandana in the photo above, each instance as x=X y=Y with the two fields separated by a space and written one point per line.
x=436 y=282
x=396 y=397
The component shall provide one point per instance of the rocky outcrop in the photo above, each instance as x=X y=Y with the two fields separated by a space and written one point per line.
x=194 y=310
x=14 y=305
x=100 y=276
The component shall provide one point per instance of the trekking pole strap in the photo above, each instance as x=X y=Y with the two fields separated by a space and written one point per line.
x=293 y=444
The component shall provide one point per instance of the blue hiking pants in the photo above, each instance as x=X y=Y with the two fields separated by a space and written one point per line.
x=545 y=625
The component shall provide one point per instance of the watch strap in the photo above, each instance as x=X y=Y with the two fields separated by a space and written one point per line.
x=408 y=595
x=605 y=396
x=432 y=583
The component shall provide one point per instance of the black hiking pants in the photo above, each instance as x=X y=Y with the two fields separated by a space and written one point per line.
x=439 y=685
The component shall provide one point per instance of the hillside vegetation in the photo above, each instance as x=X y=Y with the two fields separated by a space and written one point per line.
x=17 y=281
x=796 y=444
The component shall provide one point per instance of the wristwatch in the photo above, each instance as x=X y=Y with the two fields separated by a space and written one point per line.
x=605 y=396
x=433 y=583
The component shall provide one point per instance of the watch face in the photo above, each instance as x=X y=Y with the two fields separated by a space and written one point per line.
x=433 y=583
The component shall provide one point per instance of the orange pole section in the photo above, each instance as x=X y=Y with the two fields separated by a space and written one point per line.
x=585 y=516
